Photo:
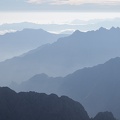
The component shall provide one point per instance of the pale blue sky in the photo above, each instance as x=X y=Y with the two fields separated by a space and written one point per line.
x=61 y=5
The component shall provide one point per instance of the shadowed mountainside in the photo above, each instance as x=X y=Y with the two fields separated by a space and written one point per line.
x=96 y=86
x=104 y=116
x=34 y=106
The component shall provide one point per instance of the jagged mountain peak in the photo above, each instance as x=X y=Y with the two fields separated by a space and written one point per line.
x=102 y=29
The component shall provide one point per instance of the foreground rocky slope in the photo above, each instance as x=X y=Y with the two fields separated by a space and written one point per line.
x=36 y=106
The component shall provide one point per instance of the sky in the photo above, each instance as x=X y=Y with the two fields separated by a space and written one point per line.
x=53 y=17
x=61 y=5
x=57 y=11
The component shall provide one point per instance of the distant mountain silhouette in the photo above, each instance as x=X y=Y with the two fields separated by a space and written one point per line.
x=39 y=83
x=74 y=25
x=64 y=56
x=97 y=88
x=36 y=106
x=14 y=44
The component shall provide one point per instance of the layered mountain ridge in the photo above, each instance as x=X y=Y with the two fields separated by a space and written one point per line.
x=64 y=56
x=96 y=86
x=19 y=42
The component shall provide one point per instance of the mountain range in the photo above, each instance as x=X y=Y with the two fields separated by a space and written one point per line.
x=39 y=106
x=76 y=24
x=97 y=88
x=17 y=43
x=66 y=55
